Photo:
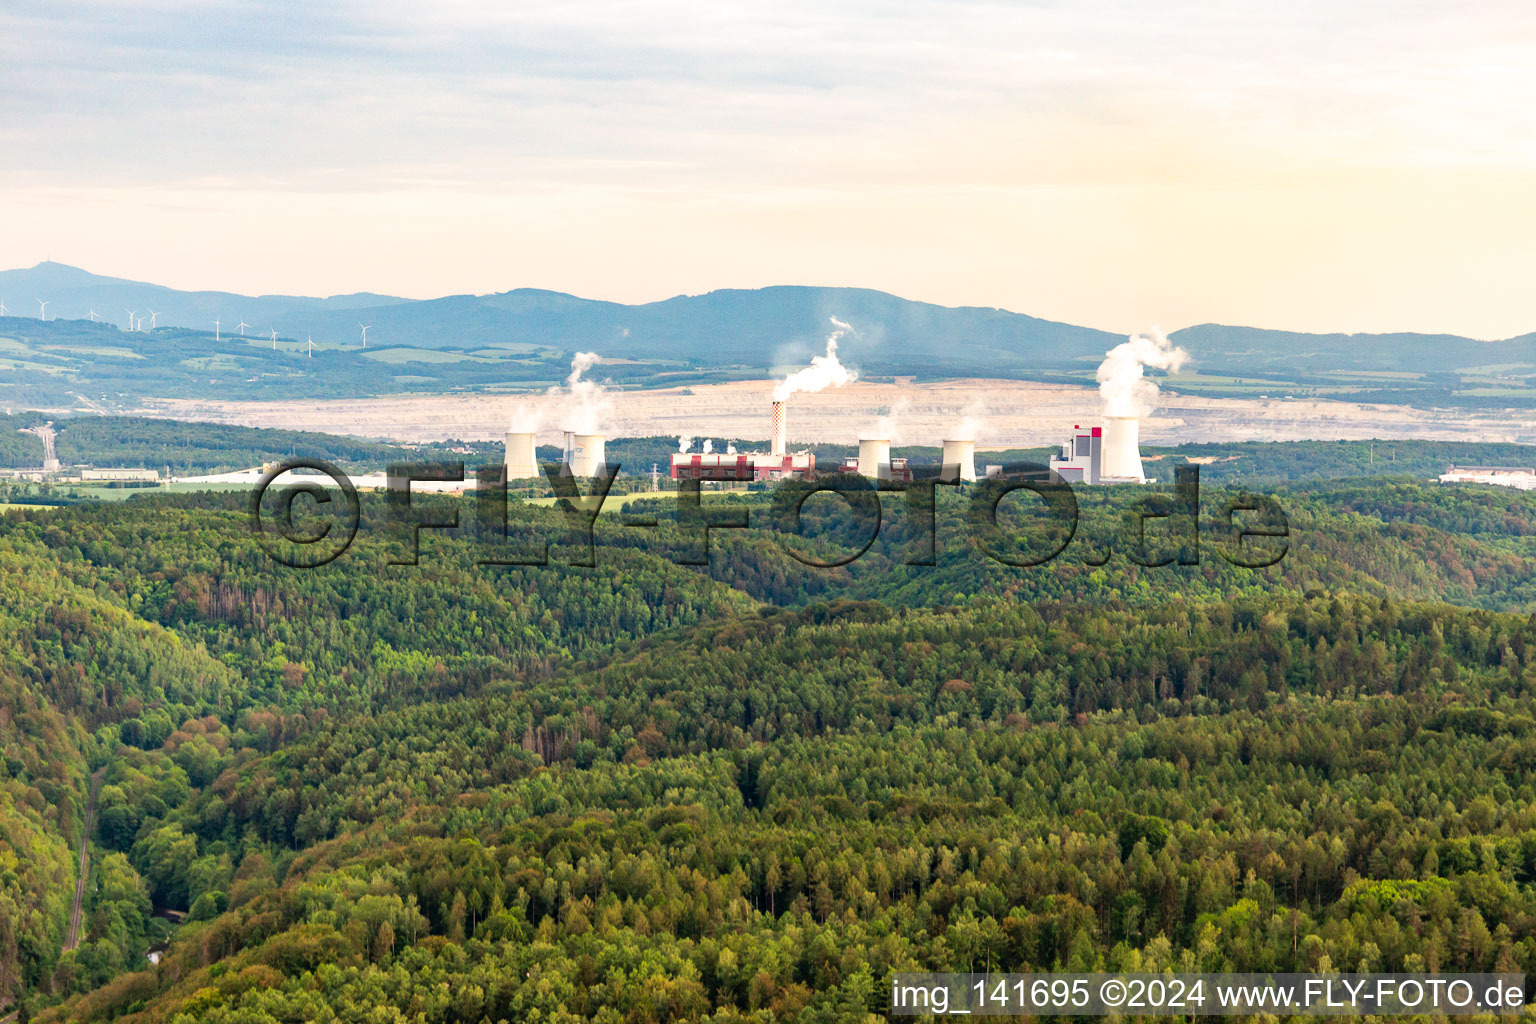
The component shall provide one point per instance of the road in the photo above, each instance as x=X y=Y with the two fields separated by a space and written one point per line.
x=50 y=454
x=72 y=937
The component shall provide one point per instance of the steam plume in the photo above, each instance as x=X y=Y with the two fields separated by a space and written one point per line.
x=824 y=372
x=582 y=362
x=709 y=446
x=527 y=417
x=587 y=405
x=973 y=420
x=684 y=443
x=1123 y=387
x=888 y=426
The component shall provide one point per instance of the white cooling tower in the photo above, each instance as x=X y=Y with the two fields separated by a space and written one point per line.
x=961 y=454
x=522 y=462
x=779 y=439
x=584 y=454
x=1121 y=458
x=875 y=458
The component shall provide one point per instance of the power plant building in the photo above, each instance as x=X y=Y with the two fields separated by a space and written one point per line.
x=958 y=462
x=118 y=475
x=1120 y=457
x=1080 y=455
x=875 y=462
x=778 y=464
x=753 y=466
x=1110 y=454
x=874 y=458
x=584 y=454
x=522 y=461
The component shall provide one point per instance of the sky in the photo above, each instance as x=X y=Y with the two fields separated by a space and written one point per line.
x=1119 y=164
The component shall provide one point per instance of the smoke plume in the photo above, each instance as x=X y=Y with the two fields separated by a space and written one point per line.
x=1124 y=388
x=709 y=446
x=824 y=372
x=684 y=443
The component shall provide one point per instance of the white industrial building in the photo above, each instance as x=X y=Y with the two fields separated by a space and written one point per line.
x=1519 y=477
x=1110 y=454
x=116 y=475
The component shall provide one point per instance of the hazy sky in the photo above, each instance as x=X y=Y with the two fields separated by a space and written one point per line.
x=1117 y=163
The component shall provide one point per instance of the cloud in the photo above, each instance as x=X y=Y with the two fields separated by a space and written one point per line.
x=890 y=145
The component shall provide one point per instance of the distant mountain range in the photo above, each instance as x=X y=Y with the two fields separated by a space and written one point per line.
x=759 y=332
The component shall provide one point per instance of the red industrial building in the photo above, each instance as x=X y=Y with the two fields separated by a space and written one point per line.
x=742 y=467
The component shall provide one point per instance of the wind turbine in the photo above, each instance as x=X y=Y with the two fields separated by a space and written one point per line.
x=2 y=307
x=311 y=346
x=92 y=316
x=43 y=306
x=274 y=339
x=139 y=326
x=243 y=326
x=154 y=319
x=216 y=331
x=131 y=313
x=365 y=333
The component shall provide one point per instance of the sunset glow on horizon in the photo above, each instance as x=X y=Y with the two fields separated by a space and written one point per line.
x=1109 y=164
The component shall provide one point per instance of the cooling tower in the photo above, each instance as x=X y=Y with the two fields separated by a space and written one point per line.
x=1121 y=457
x=875 y=459
x=522 y=463
x=779 y=439
x=961 y=454
x=584 y=454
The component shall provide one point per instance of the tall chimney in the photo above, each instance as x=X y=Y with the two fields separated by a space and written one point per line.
x=958 y=462
x=875 y=458
x=522 y=462
x=779 y=439
x=1120 y=460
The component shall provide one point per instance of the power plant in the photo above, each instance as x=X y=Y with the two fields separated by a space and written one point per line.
x=1122 y=451
x=1080 y=456
x=742 y=466
x=778 y=464
x=958 y=462
x=1110 y=454
x=874 y=458
x=584 y=454
x=522 y=459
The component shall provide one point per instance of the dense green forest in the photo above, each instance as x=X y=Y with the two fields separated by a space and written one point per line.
x=648 y=790
x=191 y=448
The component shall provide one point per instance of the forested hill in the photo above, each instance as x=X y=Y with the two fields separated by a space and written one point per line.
x=195 y=448
x=647 y=791
x=197 y=347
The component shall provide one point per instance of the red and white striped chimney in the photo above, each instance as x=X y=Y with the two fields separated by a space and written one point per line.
x=780 y=437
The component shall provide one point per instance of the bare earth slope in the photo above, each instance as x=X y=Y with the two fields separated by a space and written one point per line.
x=1017 y=413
